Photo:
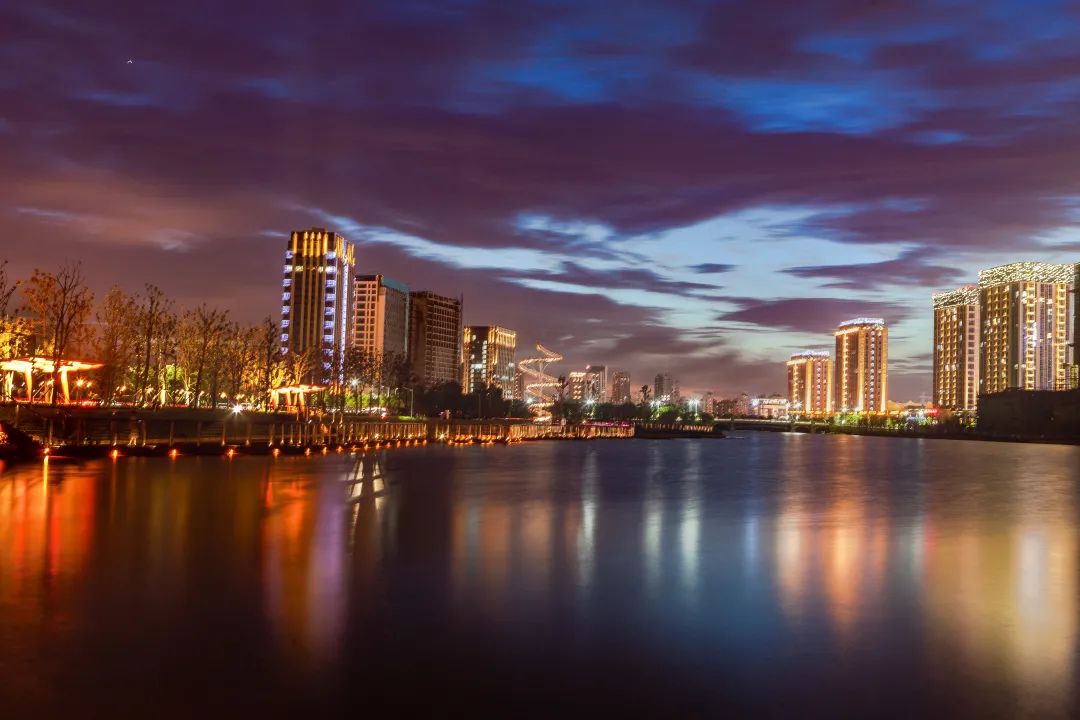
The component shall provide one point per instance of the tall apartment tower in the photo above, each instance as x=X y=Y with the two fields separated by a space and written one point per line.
x=620 y=387
x=956 y=349
x=598 y=381
x=316 y=300
x=810 y=377
x=381 y=315
x=489 y=359
x=861 y=368
x=434 y=338
x=1024 y=314
x=1075 y=379
x=663 y=387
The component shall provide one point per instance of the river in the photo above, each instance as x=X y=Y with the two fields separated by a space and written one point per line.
x=768 y=574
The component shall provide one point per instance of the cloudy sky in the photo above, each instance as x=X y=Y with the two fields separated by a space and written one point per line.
x=695 y=187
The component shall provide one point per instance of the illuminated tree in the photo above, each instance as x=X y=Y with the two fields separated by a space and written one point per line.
x=60 y=305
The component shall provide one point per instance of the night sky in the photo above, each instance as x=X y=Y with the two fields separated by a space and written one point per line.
x=692 y=187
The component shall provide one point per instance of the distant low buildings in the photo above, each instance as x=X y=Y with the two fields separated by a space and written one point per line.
x=774 y=407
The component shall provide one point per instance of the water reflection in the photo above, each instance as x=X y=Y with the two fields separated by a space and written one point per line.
x=957 y=561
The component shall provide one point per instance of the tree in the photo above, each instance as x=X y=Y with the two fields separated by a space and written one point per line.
x=15 y=332
x=114 y=343
x=60 y=304
x=153 y=315
x=202 y=332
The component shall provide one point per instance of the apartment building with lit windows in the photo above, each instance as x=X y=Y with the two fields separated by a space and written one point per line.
x=1024 y=313
x=620 y=387
x=316 y=300
x=489 y=359
x=861 y=366
x=956 y=349
x=810 y=378
x=380 y=315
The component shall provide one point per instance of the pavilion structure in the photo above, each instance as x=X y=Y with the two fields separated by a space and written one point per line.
x=27 y=367
x=293 y=396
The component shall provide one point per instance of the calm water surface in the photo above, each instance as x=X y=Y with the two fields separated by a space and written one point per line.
x=774 y=574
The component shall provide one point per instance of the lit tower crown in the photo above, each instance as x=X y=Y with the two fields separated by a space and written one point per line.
x=956 y=348
x=861 y=370
x=1024 y=314
x=810 y=382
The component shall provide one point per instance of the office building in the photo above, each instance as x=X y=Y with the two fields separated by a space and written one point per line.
x=381 y=315
x=1024 y=311
x=620 y=387
x=861 y=366
x=1075 y=370
x=489 y=359
x=316 y=301
x=956 y=349
x=434 y=338
x=810 y=382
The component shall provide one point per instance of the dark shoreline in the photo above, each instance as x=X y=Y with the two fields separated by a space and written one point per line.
x=874 y=432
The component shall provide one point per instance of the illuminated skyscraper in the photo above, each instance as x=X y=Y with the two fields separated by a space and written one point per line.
x=489 y=359
x=316 y=300
x=381 y=315
x=620 y=387
x=956 y=348
x=1075 y=374
x=810 y=375
x=1024 y=312
x=861 y=368
x=434 y=338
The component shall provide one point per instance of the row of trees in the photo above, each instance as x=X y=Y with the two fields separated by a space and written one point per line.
x=154 y=353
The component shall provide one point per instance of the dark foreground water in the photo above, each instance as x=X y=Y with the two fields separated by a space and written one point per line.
x=786 y=575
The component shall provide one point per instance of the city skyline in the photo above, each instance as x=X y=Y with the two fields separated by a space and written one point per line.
x=701 y=189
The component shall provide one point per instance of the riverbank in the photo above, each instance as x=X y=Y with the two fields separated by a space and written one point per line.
x=932 y=433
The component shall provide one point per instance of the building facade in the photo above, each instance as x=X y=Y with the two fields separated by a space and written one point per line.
x=435 y=336
x=861 y=366
x=489 y=359
x=810 y=378
x=316 y=301
x=1024 y=311
x=598 y=378
x=665 y=389
x=381 y=315
x=577 y=386
x=956 y=349
x=620 y=387
x=774 y=407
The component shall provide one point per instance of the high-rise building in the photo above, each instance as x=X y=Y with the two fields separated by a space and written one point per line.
x=620 y=387
x=434 y=338
x=576 y=386
x=489 y=359
x=1024 y=315
x=598 y=381
x=381 y=315
x=1075 y=374
x=810 y=382
x=861 y=367
x=956 y=348
x=664 y=388
x=316 y=301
